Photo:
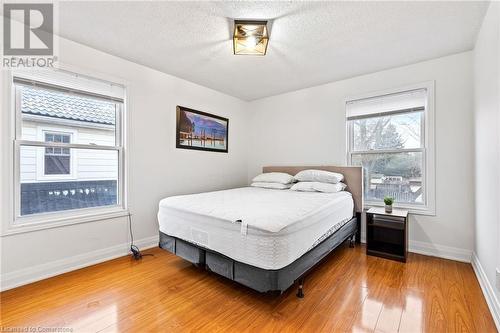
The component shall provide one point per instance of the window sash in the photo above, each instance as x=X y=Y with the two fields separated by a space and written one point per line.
x=45 y=217
x=119 y=105
x=419 y=206
x=350 y=133
x=18 y=119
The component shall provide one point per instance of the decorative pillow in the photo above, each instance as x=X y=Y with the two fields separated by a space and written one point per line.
x=274 y=177
x=276 y=186
x=319 y=176
x=318 y=187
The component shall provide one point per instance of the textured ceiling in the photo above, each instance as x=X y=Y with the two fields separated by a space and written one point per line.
x=310 y=42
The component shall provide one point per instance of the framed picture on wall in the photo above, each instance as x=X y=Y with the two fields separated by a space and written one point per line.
x=201 y=131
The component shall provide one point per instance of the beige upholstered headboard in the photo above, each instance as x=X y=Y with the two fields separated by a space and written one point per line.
x=353 y=178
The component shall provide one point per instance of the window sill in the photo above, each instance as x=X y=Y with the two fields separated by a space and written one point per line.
x=415 y=210
x=49 y=221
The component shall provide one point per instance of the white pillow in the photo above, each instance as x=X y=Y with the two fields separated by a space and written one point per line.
x=276 y=186
x=303 y=187
x=274 y=177
x=318 y=187
x=319 y=176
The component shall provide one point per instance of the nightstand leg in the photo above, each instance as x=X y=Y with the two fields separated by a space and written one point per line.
x=358 y=231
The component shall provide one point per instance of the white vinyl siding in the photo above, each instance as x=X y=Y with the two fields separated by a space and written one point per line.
x=89 y=164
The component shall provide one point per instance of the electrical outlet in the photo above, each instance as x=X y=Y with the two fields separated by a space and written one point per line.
x=498 y=279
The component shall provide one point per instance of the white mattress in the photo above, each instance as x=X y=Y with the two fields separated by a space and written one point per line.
x=276 y=228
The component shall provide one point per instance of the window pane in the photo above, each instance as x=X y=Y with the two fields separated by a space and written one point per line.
x=61 y=115
x=91 y=182
x=388 y=132
x=398 y=175
x=57 y=165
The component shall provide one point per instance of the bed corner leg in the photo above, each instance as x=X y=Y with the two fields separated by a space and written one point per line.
x=300 y=291
x=352 y=240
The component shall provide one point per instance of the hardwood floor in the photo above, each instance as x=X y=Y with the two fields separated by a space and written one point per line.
x=348 y=292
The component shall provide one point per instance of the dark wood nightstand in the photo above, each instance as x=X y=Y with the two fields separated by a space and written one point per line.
x=387 y=233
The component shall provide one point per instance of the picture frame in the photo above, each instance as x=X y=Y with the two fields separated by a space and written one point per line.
x=199 y=130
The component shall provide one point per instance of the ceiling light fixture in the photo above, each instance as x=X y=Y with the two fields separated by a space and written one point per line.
x=250 y=37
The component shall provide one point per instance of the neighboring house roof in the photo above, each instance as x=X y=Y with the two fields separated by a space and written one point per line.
x=52 y=103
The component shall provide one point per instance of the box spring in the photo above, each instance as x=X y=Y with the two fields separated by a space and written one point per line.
x=257 y=278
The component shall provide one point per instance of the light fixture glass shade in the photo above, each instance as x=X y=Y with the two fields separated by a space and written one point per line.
x=250 y=37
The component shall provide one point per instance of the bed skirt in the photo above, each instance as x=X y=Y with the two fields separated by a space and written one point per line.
x=259 y=279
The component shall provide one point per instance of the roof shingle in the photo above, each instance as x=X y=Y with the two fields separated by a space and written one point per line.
x=53 y=103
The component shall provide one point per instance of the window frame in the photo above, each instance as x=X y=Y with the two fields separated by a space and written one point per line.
x=427 y=147
x=20 y=224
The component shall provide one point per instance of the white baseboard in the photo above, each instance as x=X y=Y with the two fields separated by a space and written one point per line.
x=435 y=250
x=440 y=251
x=488 y=291
x=53 y=268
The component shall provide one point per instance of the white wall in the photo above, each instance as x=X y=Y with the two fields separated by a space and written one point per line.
x=308 y=127
x=156 y=168
x=487 y=145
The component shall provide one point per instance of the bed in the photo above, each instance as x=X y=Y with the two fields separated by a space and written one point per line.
x=264 y=239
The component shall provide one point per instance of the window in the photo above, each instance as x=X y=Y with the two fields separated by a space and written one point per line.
x=389 y=135
x=68 y=147
x=57 y=160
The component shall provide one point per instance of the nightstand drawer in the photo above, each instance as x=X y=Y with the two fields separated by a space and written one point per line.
x=387 y=222
x=389 y=218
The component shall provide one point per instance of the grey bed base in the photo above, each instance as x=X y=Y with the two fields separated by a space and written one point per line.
x=257 y=278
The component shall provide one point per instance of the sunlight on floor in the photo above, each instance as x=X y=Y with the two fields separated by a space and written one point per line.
x=96 y=319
